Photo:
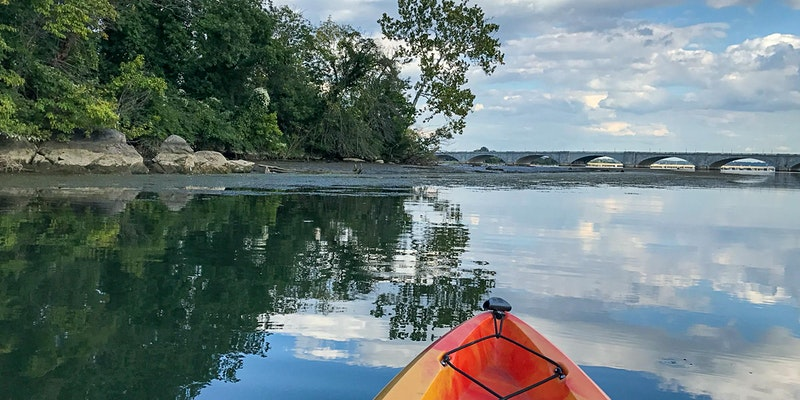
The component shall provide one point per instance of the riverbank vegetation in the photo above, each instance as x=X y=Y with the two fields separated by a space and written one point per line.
x=246 y=78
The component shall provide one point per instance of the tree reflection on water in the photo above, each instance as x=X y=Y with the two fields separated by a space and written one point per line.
x=437 y=292
x=155 y=300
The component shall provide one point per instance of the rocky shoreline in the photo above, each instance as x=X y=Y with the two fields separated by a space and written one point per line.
x=107 y=152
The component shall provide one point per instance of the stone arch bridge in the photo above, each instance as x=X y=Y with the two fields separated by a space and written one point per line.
x=629 y=159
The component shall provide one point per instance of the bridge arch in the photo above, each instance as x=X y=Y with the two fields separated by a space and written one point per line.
x=482 y=158
x=446 y=157
x=529 y=159
x=719 y=163
x=649 y=161
x=587 y=158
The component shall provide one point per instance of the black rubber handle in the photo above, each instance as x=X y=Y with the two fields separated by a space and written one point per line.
x=496 y=304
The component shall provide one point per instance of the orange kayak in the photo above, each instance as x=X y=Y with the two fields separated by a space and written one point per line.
x=494 y=355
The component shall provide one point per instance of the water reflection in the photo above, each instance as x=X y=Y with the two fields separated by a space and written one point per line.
x=669 y=293
x=697 y=287
x=156 y=300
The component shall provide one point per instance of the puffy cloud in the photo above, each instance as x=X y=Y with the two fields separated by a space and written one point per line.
x=592 y=100
x=653 y=67
x=518 y=17
x=615 y=128
x=730 y=3
x=619 y=128
x=635 y=66
x=652 y=70
x=360 y=14
x=757 y=74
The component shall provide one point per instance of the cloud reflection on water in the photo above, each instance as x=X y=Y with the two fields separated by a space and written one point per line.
x=677 y=254
x=692 y=285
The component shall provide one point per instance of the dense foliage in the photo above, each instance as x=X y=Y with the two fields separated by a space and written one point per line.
x=242 y=77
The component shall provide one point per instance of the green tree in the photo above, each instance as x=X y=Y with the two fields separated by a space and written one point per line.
x=213 y=56
x=49 y=58
x=10 y=81
x=138 y=93
x=362 y=109
x=295 y=97
x=388 y=114
x=339 y=63
x=446 y=38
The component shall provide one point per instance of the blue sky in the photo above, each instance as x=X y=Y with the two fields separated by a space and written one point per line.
x=661 y=75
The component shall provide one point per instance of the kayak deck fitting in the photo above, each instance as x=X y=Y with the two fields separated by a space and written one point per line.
x=494 y=355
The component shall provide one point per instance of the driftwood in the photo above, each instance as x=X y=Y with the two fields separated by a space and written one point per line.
x=268 y=169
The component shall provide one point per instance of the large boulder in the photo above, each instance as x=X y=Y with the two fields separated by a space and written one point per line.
x=175 y=144
x=241 y=166
x=15 y=155
x=105 y=152
x=170 y=163
x=175 y=156
x=210 y=162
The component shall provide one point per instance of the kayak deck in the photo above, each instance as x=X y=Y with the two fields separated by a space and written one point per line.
x=494 y=355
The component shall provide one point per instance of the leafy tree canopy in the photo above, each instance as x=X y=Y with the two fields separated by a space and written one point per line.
x=446 y=38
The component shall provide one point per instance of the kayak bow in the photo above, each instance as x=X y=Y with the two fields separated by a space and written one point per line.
x=494 y=355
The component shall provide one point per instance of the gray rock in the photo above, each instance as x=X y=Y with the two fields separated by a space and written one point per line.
x=15 y=155
x=105 y=152
x=175 y=156
x=170 y=163
x=241 y=166
x=176 y=145
x=210 y=162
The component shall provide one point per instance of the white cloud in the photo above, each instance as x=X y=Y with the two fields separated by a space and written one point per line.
x=651 y=70
x=619 y=128
x=637 y=67
x=730 y=3
x=361 y=14
x=615 y=128
x=518 y=17
x=592 y=100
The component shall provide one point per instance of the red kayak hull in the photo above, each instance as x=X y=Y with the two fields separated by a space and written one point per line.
x=493 y=368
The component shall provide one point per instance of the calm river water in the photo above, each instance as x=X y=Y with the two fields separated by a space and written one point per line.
x=324 y=285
